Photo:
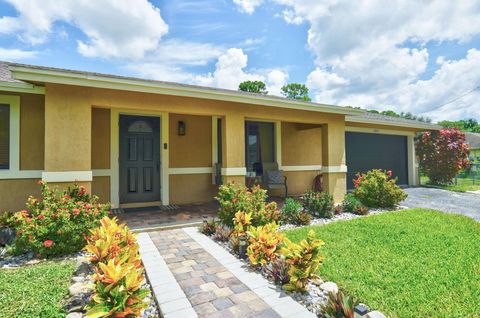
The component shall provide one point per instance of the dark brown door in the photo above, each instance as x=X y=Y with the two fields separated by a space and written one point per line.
x=139 y=159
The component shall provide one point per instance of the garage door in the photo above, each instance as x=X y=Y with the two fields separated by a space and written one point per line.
x=367 y=151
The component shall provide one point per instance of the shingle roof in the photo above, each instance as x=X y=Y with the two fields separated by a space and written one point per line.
x=5 y=76
x=473 y=139
x=368 y=117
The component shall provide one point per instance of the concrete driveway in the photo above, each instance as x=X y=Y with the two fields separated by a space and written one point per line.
x=447 y=201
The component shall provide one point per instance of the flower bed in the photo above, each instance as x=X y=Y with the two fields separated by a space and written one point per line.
x=256 y=238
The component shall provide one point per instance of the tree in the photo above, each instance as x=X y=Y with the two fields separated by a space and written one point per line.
x=442 y=154
x=257 y=87
x=469 y=124
x=296 y=91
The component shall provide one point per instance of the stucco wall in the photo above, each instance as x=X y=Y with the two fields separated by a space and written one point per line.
x=14 y=193
x=191 y=188
x=68 y=128
x=32 y=131
x=100 y=138
x=194 y=149
x=301 y=144
x=101 y=188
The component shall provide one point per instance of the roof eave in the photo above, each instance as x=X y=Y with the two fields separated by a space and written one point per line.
x=73 y=78
x=413 y=125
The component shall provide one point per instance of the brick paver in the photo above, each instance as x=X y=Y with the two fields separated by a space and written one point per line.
x=212 y=290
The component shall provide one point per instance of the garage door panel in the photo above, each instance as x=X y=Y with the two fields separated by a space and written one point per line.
x=367 y=151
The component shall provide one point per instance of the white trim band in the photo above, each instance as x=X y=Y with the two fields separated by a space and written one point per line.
x=334 y=169
x=302 y=168
x=373 y=130
x=193 y=170
x=234 y=171
x=67 y=176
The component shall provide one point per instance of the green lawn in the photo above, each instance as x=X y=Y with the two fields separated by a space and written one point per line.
x=35 y=291
x=463 y=184
x=412 y=263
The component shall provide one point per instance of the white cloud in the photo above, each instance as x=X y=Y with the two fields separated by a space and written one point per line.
x=275 y=80
x=230 y=72
x=16 y=54
x=114 y=28
x=371 y=54
x=248 y=6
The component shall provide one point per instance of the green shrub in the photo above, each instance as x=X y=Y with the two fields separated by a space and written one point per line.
x=352 y=204
x=339 y=305
x=208 y=228
x=304 y=259
x=118 y=272
x=264 y=243
x=293 y=213
x=59 y=223
x=377 y=188
x=235 y=198
x=6 y=219
x=222 y=233
x=318 y=204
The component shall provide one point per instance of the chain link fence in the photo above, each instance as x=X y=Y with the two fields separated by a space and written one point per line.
x=467 y=177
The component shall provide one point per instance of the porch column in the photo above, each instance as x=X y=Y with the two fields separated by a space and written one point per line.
x=68 y=123
x=333 y=159
x=233 y=148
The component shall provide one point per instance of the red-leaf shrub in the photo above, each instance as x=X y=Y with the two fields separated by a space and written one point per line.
x=58 y=223
x=442 y=154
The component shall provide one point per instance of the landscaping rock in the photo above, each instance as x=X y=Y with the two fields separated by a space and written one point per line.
x=375 y=314
x=79 y=288
x=7 y=235
x=329 y=287
x=75 y=315
x=83 y=269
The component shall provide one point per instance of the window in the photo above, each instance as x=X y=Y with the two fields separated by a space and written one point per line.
x=140 y=126
x=260 y=145
x=4 y=136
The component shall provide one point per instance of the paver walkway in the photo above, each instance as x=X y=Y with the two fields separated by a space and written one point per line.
x=208 y=281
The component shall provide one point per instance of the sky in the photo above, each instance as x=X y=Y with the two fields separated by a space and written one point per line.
x=409 y=56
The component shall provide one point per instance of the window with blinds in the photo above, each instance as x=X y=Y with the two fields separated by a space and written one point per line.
x=4 y=136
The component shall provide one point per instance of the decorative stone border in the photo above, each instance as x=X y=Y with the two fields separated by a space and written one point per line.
x=170 y=297
x=271 y=294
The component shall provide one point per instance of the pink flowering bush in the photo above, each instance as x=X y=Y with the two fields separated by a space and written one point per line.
x=377 y=189
x=442 y=154
x=59 y=223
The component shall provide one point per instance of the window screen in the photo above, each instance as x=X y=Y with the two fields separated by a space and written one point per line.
x=4 y=136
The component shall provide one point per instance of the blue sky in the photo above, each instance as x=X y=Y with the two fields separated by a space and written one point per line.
x=413 y=58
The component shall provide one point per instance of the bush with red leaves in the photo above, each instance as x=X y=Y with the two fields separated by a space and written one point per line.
x=442 y=154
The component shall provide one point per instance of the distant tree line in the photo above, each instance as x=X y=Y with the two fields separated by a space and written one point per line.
x=293 y=90
x=468 y=125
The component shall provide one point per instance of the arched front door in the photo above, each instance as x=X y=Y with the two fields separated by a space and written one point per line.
x=139 y=159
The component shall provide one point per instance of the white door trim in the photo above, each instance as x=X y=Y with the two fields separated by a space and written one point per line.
x=114 y=152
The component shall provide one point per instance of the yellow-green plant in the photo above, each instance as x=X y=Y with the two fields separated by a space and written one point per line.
x=112 y=241
x=264 y=244
x=241 y=222
x=304 y=259
x=117 y=290
x=118 y=272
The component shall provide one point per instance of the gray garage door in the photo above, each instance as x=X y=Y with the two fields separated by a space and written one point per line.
x=374 y=151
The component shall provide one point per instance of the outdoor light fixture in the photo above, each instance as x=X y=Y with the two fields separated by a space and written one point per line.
x=181 y=128
x=242 y=246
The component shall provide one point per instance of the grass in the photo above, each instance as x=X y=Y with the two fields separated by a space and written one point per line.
x=463 y=184
x=35 y=291
x=412 y=263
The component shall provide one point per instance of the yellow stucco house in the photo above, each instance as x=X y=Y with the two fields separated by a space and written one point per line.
x=140 y=142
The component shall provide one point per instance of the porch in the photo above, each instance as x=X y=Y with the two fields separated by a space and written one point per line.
x=175 y=216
